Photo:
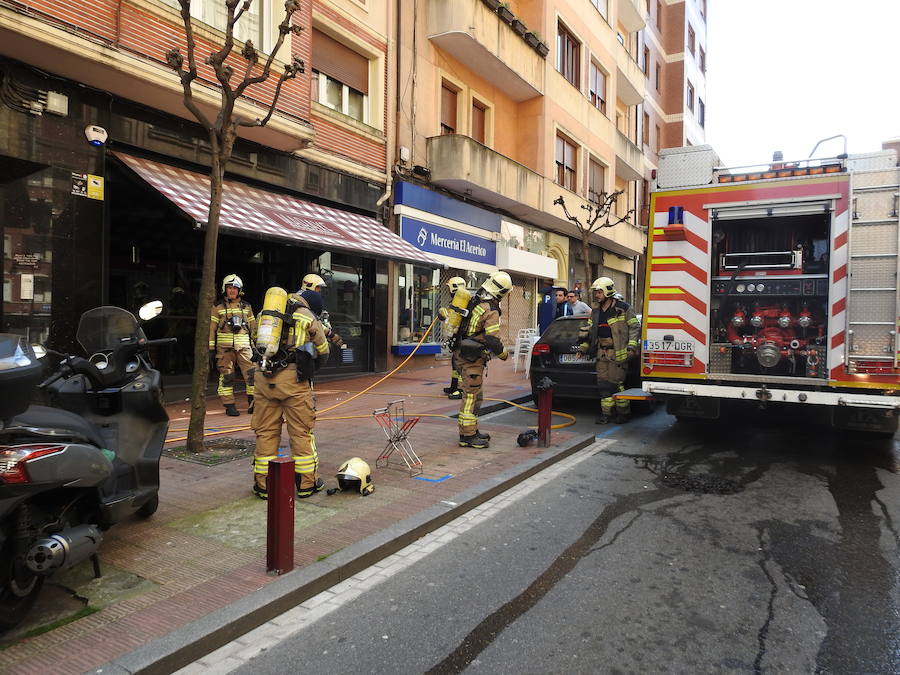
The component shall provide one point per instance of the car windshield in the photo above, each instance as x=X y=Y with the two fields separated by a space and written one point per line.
x=104 y=328
x=564 y=331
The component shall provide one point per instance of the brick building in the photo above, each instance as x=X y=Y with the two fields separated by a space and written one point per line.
x=120 y=223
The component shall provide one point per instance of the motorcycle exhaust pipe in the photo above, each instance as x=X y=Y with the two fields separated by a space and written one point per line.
x=64 y=549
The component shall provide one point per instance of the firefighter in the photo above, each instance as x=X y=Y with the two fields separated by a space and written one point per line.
x=313 y=282
x=453 y=391
x=611 y=334
x=284 y=386
x=476 y=341
x=232 y=329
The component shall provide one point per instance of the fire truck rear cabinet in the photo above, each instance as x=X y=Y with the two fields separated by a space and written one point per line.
x=775 y=284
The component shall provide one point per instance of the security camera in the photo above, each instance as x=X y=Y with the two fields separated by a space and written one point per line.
x=95 y=135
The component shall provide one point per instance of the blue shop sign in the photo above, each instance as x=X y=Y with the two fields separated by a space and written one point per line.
x=444 y=241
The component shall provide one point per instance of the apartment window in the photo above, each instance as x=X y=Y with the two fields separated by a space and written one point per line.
x=449 y=104
x=690 y=96
x=601 y=6
x=596 y=182
x=568 y=56
x=598 y=88
x=566 y=167
x=341 y=76
x=646 y=62
x=701 y=112
x=658 y=138
x=658 y=77
x=692 y=39
x=659 y=14
x=249 y=26
x=702 y=60
x=479 y=117
x=645 y=131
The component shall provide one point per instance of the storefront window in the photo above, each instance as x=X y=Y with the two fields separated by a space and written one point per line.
x=523 y=237
x=418 y=295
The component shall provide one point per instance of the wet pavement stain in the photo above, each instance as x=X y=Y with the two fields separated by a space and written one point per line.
x=487 y=631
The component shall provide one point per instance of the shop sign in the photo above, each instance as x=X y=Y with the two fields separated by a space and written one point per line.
x=446 y=242
x=87 y=185
x=27 y=259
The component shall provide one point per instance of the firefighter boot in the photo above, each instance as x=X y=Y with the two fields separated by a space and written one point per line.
x=603 y=418
x=621 y=417
x=260 y=492
x=454 y=386
x=473 y=441
x=230 y=410
x=486 y=437
x=250 y=404
x=309 y=492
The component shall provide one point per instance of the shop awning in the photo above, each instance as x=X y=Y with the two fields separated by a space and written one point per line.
x=274 y=215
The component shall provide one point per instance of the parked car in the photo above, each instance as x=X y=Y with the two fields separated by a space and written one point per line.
x=554 y=356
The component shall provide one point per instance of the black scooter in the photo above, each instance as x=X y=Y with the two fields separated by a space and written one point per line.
x=88 y=460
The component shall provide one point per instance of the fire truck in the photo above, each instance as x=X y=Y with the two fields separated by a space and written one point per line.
x=775 y=285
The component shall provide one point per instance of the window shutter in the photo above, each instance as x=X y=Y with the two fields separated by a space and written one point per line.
x=448 y=108
x=340 y=62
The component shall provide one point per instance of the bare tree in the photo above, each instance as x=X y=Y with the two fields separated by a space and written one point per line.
x=222 y=132
x=599 y=215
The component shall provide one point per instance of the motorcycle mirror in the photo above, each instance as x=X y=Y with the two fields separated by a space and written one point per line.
x=150 y=310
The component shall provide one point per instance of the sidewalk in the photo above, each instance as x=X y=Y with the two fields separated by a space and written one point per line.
x=178 y=575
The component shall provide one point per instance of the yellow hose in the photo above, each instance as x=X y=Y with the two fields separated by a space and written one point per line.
x=230 y=429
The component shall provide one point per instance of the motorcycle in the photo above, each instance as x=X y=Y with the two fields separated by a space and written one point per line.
x=88 y=460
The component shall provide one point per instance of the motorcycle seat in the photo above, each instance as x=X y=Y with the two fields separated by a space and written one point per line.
x=60 y=421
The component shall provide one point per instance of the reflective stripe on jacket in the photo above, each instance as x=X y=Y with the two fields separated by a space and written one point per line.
x=220 y=333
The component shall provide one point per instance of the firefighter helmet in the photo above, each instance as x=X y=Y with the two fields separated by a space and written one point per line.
x=456 y=283
x=605 y=285
x=497 y=285
x=233 y=280
x=311 y=282
x=354 y=475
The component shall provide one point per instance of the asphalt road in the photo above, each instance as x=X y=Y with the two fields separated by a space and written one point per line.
x=748 y=545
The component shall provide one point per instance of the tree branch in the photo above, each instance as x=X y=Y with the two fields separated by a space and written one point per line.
x=290 y=72
x=175 y=61
x=284 y=29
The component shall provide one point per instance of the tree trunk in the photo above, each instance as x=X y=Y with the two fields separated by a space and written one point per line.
x=586 y=259
x=205 y=302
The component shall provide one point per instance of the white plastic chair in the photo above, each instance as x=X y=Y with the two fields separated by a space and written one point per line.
x=524 y=342
x=534 y=339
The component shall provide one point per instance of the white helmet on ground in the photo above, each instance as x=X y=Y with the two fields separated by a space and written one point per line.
x=354 y=475
x=497 y=285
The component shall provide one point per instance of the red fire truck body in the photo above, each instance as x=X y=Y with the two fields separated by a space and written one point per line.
x=775 y=284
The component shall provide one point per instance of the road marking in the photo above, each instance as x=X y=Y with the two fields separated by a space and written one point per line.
x=238 y=652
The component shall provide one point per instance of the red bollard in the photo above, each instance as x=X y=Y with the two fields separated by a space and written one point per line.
x=545 y=406
x=280 y=524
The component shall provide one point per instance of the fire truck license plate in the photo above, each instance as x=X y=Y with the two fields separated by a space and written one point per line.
x=668 y=346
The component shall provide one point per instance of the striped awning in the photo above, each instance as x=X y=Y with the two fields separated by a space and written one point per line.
x=274 y=215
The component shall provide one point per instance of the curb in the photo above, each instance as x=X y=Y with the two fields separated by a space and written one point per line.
x=203 y=636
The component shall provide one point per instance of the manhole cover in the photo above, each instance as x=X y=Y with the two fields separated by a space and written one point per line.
x=702 y=483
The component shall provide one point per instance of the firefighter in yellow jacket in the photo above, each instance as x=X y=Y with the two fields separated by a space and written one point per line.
x=284 y=392
x=231 y=332
x=611 y=334
x=477 y=340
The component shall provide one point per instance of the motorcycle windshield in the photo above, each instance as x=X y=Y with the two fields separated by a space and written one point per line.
x=104 y=328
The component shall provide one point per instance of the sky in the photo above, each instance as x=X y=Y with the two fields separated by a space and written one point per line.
x=784 y=74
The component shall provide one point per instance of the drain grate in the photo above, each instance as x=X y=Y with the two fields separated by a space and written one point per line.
x=702 y=483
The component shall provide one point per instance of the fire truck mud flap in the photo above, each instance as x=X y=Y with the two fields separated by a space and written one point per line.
x=872 y=420
x=695 y=407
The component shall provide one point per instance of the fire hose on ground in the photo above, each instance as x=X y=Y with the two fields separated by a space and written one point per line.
x=222 y=429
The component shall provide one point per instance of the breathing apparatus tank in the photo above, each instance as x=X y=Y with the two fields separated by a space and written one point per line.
x=271 y=322
x=456 y=312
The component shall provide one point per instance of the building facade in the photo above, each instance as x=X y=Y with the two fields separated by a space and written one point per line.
x=87 y=225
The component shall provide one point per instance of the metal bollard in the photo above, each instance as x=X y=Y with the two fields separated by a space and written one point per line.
x=280 y=524
x=545 y=406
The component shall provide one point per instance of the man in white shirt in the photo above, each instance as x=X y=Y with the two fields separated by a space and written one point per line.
x=573 y=306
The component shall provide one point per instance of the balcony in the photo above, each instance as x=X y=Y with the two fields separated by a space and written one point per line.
x=631 y=15
x=466 y=167
x=629 y=158
x=476 y=37
x=630 y=79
